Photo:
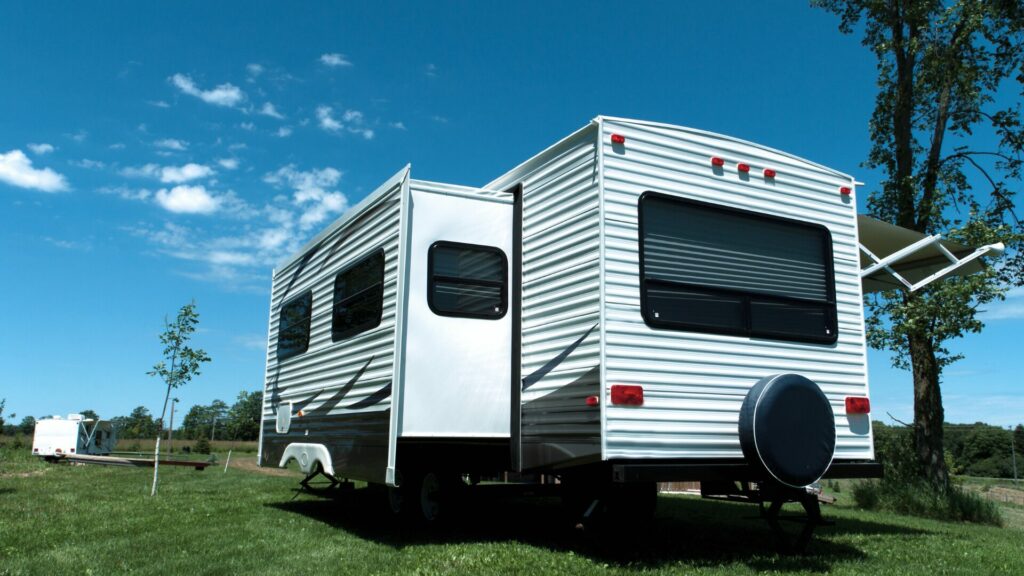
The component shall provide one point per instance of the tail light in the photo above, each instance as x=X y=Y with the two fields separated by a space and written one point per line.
x=717 y=162
x=593 y=401
x=769 y=173
x=857 y=405
x=845 y=190
x=625 y=395
x=743 y=167
x=618 y=139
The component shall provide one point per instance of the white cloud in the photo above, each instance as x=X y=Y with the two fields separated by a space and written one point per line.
x=187 y=200
x=397 y=125
x=16 y=169
x=228 y=163
x=247 y=126
x=311 y=192
x=40 y=149
x=159 y=104
x=284 y=132
x=169 y=174
x=268 y=109
x=79 y=136
x=324 y=114
x=1010 y=309
x=186 y=173
x=226 y=94
x=171 y=144
x=351 y=121
x=116 y=146
x=254 y=70
x=430 y=70
x=88 y=164
x=335 y=60
x=138 y=194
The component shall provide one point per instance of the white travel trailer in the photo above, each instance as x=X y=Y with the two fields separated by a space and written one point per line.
x=637 y=303
x=57 y=437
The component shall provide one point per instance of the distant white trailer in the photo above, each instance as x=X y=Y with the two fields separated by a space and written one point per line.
x=637 y=303
x=57 y=437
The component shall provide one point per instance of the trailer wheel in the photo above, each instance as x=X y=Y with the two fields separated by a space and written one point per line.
x=431 y=497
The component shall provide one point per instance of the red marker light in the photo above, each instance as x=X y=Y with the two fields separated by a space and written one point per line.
x=593 y=401
x=769 y=173
x=716 y=161
x=845 y=190
x=627 y=395
x=743 y=167
x=618 y=139
x=857 y=405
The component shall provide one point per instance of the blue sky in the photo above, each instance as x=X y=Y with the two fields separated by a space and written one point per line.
x=155 y=153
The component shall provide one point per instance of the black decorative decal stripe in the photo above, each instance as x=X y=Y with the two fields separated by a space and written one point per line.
x=372 y=399
x=337 y=397
x=543 y=371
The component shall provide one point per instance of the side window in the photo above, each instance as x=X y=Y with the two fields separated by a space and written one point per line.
x=467 y=280
x=358 y=297
x=293 y=326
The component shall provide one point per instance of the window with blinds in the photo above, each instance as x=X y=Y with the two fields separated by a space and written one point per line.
x=467 y=280
x=707 y=268
x=293 y=326
x=358 y=297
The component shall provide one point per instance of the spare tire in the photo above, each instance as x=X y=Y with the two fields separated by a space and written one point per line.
x=788 y=430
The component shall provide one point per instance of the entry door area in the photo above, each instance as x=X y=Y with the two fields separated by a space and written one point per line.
x=458 y=335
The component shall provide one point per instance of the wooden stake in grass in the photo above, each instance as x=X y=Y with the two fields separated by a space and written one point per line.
x=179 y=365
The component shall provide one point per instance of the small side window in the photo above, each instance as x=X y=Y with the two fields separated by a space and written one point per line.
x=467 y=280
x=358 y=297
x=293 y=326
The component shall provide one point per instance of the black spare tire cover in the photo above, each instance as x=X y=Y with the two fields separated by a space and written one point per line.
x=787 y=429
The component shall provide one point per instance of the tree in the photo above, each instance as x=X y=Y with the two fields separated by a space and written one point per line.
x=27 y=426
x=1018 y=438
x=138 y=424
x=196 y=423
x=940 y=66
x=218 y=411
x=3 y=404
x=180 y=364
x=245 y=416
x=90 y=414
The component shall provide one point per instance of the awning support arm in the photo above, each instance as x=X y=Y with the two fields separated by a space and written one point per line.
x=954 y=262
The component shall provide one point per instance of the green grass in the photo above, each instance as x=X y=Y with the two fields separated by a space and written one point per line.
x=59 y=519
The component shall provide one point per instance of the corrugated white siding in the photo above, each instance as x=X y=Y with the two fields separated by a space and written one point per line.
x=326 y=366
x=561 y=262
x=694 y=383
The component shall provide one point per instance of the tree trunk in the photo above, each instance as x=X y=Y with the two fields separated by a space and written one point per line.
x=928 y=413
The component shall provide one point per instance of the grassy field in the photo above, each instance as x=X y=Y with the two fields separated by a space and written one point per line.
x=59 y=519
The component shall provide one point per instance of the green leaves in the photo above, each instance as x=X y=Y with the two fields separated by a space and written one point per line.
x=181 y=362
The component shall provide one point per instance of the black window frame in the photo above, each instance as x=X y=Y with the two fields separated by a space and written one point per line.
x=307 y=320
x=456 y=280
x=829 y=304
x=351 y=332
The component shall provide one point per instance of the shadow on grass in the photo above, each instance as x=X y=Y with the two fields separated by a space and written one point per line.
x=696 y=532
x=6 y=491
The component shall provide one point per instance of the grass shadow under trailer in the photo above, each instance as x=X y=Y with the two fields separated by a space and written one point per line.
x=637 y=303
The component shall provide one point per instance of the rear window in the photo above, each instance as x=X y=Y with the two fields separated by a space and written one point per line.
x=293 y=326
x=707 y=268
x=467 y=280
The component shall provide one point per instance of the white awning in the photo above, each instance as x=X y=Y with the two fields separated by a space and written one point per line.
x=895 y=257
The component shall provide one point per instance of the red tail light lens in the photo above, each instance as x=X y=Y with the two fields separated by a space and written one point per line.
x=857 y=405
x=716 y=161
x=593 y=400
x=618 y=139
x=769 y=173
x=743 y=167
x=624 y=395
x=845 y=190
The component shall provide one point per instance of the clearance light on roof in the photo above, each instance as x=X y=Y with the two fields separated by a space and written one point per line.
x=857 y=405
x=769 y=173
x=618 y=139
x=845 y=190
x=716 y=161
x=624 y=395
x=743 y=167
x=593 y=400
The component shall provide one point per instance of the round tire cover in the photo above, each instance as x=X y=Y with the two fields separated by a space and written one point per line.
x=788 y=430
